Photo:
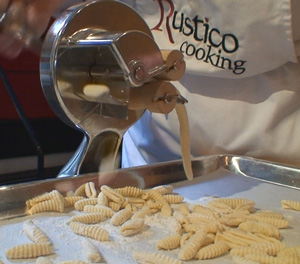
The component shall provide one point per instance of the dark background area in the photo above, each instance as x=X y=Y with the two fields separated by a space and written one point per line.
x=52 y=134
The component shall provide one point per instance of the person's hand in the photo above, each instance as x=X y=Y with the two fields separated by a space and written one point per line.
x=33 y=15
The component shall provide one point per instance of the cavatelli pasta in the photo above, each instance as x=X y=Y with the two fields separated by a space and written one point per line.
x=90 y=251
x=69 y=201
x=257 y=227
x=183 y=208
x=279 y=223
x=102 y=199
x=52 y=205
x=92 y=231
x=132 y=227
x=79 y=205
x=101 y=209
x=91 y=218
x=31 y=250
x=212 y=251
x=242 y=251
x=173 y=198
x=121 y=217
x=168 y=243
x=112 y=194
x=130 y=191
x=164 y=189
x=289 y=204
x=271 y=248
x=289 y=251
x=154 y=258
x=90 y=190
x=43 y=197
x=191 y=247
x=34 y=232
x=142 y=212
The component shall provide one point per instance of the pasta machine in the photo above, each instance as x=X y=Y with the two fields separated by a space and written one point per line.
x=100 y=70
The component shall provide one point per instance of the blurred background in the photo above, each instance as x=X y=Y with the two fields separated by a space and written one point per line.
x=34 y=143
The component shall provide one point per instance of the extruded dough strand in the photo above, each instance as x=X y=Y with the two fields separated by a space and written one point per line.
x=173 y=198
x=185 y=140
x=154 y=258
x=35 y=233
x=91 y=231
x=32 y=250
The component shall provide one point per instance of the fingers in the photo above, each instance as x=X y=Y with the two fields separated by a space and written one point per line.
x=37 y=14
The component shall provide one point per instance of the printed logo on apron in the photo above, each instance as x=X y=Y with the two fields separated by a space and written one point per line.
x=225 y=39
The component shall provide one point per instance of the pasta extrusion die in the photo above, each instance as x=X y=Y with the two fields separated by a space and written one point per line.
x=100 y=70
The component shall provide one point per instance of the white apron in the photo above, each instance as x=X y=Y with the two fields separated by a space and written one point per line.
x=242 y=81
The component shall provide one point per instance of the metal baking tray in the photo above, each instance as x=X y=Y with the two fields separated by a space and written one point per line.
x=13 y=197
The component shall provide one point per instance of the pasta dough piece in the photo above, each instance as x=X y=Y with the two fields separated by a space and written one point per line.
x=263 y=228
x=242 y=251
x=121 y=217
x=142 y=212
x=271 y=248
x=90 y=251
x=171 y=242
x=43 y=197
x=34 y=232
x=91 y=218
x=185 y=140
x=56 y=205
x=279 y=223
x=112 y=194
x=212 y=251
x=164 y=189
x=91 y=231
x=191 y=247
x=32 y=250
x=130 y=191
x=101 y=209
x=71 y=200
x=183 y=208
x=102 y=199
x=79 y=205
x=289 y=204
x=264 y=258
x=90 y=190
x=154 y=258
x=132 y=227
x=173 y=198
x=289 y=251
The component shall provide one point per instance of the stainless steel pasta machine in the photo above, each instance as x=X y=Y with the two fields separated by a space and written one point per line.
x=100 y=70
